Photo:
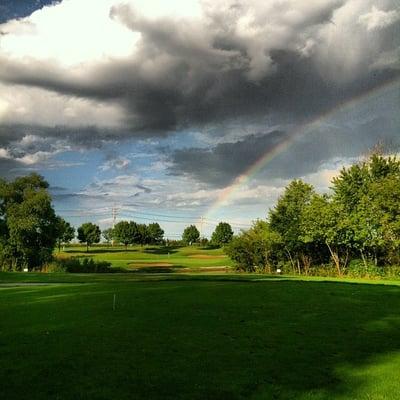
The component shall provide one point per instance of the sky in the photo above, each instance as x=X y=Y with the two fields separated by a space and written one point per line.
x=190 y=111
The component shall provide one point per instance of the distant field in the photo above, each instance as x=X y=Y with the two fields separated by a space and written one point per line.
x=156 y=258
x=181 y=336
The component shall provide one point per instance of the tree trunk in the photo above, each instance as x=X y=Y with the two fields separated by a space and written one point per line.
x=335 y=258
x=364 y=259
x=290 y=259
x=87 y=247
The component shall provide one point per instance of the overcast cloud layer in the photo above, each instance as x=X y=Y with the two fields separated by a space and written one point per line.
x=209 y=85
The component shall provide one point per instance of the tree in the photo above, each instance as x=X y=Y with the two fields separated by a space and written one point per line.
x=155 y=233
x=222 y=234
x=89 y=233
x=324 y=223
x=142 y=234
x=65 y=232
x=368 y=195
x=190 y=235
x=285 y=219
x=108 y=235
x=255 y=249
x=126 y=232
x=28 y=224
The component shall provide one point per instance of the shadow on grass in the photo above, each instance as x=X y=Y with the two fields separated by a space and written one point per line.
x=209 y=247
x=161 y=250
x=109 y=250
x=271 y=339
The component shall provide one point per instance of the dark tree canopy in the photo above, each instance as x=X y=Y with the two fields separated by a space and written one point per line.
x=222 y=234
x=65 y=232
x=126 y=232
x=28 y=224
x=155 y=233
x=89 y=233
x=190 y=235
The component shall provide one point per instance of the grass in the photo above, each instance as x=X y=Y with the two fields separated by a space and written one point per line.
x=197 y=337
x=155 y=258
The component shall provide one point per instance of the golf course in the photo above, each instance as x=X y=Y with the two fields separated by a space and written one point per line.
x=155 y=258
x=216 y=335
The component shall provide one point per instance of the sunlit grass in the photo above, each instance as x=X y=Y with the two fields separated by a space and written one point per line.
x=141 y=256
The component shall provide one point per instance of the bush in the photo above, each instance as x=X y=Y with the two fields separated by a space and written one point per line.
x=79 y=265
x=358 y=269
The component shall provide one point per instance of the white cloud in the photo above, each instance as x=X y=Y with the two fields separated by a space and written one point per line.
x=117 y=163
x=28 y=105
x=379 y=19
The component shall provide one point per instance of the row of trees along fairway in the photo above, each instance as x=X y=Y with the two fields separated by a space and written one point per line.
x=354 y=229
x=129 y=232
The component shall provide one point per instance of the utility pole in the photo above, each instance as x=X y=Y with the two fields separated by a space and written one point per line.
x=114 y=218
x=201 y=227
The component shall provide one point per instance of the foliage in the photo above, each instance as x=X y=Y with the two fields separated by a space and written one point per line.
x=108 y=235
x=155 y=233
x=360 y=219
x=190 y=235
x=285 y=219
x=255 y=249
x=222 y=234
x=86 y=265
x=126 y=232
x=89 y=233
x=65 y=232
x=28 y=224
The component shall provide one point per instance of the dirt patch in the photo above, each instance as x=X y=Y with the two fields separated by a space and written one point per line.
x=156 y=264
x=206 y=256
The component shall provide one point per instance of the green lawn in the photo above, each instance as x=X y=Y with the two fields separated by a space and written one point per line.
x=155 y=258
x=197 y=337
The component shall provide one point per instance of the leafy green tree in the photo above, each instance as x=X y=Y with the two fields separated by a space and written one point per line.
x=155 y=233
x=367 y=193
x=324 y=223
x=108 y=235
x=190 y=235
x=126 y=232
x=28 y=224
x=285 y=219
x=89 y=233
x=222 y=234
x=143 y=236
x=255 y=249
x=65 y=232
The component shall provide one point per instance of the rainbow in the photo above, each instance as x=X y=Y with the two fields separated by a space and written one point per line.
x=303 y=130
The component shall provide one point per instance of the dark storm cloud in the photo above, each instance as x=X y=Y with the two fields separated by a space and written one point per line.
x=221 y=164
x=198 y=73
x=224 y=162
x=83 y=137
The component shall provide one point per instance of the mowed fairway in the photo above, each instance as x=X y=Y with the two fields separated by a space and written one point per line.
x=202 y=337
x=156 y=258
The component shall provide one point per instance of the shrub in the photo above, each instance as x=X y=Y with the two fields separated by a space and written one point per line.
x=79 y=265
x=358 y=269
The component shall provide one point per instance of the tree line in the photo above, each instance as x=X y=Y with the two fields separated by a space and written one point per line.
x=355 y=227
x=30 y=230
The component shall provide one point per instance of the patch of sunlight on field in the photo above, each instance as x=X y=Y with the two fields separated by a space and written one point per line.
x=378 y=380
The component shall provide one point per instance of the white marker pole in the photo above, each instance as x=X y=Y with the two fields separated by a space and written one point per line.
x=114 y=299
